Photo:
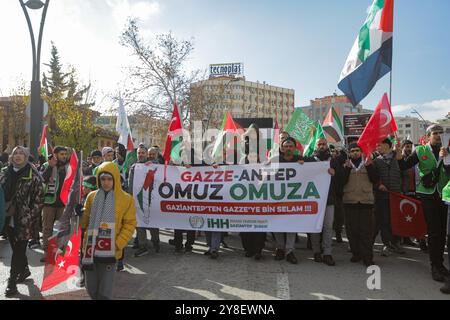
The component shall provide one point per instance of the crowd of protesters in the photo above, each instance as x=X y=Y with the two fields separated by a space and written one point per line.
x=358 y=202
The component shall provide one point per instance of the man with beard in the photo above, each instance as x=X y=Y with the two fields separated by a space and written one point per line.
x=434 y=176
x=286 y=240
x=53 y=172
x=358 y=178
x=390 y=181
x=323 y=153
x=409 y=188
x=96 y=160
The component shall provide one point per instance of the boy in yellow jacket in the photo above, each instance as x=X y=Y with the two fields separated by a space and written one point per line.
x=109 y=219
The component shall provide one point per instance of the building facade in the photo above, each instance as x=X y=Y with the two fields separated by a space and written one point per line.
x=319 y=107
x=211 y=98
x=149 y=131
x=411 y=127
x=12 y=123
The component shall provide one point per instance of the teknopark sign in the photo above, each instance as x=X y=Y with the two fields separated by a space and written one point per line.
x=226 y=69
x=287 y=197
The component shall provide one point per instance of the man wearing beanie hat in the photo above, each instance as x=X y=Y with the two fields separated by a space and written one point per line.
x=107 y=156
x=434 y=176
x=358 y=183
x=409 y=181
x=97 y=159
x=23 y=188
x=389 y=181
x=53 y=173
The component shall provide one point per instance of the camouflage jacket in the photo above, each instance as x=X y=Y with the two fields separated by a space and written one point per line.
x=28 y=202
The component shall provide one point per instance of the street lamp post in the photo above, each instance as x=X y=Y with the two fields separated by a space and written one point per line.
x=36 y=103
x=425 y=124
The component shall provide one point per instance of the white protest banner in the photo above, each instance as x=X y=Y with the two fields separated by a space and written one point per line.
x=286 y=197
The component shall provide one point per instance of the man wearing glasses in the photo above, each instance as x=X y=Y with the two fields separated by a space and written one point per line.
x=434 y=175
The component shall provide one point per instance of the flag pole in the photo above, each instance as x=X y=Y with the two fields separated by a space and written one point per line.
x=81 y=182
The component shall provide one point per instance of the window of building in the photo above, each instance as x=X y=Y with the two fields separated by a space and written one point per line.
x=408 y=125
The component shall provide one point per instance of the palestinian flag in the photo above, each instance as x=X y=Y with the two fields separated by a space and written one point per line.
x=274 y=150
x=228 y=130
x=43 y=147
x=332 y=125
x=148 y=186
x=371 y=55
x=172 y=148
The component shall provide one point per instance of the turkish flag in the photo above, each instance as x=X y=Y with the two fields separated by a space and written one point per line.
x=407 y=217
x=381 y=124
x=61 y=266
x=70 y=176
x=103 y=244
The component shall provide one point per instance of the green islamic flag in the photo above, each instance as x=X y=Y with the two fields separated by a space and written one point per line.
x=318 y=134
x=301 y=127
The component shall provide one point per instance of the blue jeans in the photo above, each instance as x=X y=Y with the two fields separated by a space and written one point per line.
x=383 y=220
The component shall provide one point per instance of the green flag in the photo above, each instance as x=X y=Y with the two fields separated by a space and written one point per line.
x=301 y=127
x=311 y=145
x=130 y=159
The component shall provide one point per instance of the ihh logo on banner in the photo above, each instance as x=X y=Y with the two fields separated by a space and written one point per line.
x=196 y=222
x=219 y=223
x=374 y=280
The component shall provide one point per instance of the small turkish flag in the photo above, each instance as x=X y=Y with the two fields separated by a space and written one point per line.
x=60 y=267
x=407 y=217
x=103 y=244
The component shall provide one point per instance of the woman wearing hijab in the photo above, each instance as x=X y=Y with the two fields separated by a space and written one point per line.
x=24 y=195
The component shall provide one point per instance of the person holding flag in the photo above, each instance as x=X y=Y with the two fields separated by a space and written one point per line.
x=434 y=176
x=24 y=195
x=109 y=218
x=409 y=187
x=389 y=181
x=53 y=173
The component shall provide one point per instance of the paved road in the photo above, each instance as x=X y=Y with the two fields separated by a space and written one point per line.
x=194 y=276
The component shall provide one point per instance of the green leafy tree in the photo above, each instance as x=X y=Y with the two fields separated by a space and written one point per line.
x=70 y=117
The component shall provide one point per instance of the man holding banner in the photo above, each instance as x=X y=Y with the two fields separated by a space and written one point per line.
x=286 y=240
x=323 y=153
